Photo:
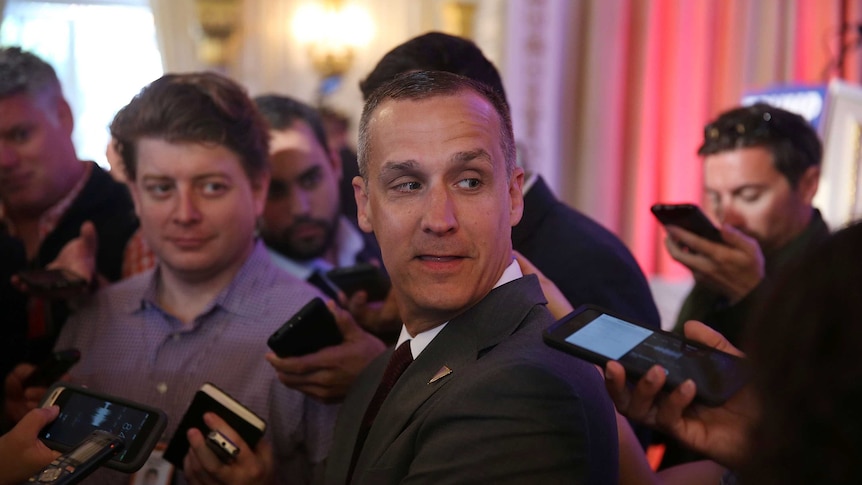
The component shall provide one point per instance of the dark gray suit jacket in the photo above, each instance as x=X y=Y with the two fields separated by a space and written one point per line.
x=511 y=411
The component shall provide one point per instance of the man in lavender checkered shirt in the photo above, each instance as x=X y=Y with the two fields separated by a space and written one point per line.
x=195 y=150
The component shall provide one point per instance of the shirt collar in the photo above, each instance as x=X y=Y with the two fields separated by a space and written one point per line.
x=421 y=340
x=231 y=297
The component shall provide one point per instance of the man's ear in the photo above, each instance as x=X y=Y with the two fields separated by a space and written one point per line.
x=65 y=116
x=808 y=183
x=363 y=208
x=516 y=196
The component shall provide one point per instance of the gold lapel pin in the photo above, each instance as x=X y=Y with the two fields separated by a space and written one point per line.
x=443 y=372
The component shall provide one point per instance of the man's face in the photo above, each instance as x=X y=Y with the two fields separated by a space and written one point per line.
x=37 y=159
x=197 y=207
x=745 y=190
x=302 y=208
x=439 y=202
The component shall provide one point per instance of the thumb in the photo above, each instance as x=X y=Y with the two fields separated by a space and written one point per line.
x=702 y=333
x=37 y=418
x=343 y=319
x=89 y=237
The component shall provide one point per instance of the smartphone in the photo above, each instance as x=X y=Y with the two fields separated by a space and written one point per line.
x=57 y=364
x=597 y=335
x=83 y=411
x=80 y=461
x=688 y=217
x=311 y=329
x=222 y=446
x=51 y=279
x=363 y=276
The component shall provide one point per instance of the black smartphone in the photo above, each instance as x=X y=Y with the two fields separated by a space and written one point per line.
x=688 y=217
x=83 y=411
x=363 y=276
x=51 y=279
x=82 y=460
x=53 y=368
x=311 y=329
x=209 y=398
x=597 y=335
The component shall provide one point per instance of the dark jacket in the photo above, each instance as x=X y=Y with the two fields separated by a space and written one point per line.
x=587 y=262
x=509 y=410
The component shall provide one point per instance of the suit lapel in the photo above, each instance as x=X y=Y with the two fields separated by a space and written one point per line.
x=461 y=343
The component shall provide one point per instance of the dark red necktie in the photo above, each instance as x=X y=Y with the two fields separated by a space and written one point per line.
x=398 y=362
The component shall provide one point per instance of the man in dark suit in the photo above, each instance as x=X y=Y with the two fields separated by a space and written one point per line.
x=482 y=400
x=587 y=262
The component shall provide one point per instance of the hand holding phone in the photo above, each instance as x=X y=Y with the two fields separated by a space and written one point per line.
x=311 y=329
x=688 y=217
x=83 y=411
x=598 y=336
x=209 y=398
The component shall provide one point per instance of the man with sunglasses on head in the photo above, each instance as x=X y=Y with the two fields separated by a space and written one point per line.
x=761 y=171
x=761 y=168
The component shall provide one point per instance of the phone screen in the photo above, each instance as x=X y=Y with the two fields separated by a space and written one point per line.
x=617 y=339
x=81 y=414
x=597 y=336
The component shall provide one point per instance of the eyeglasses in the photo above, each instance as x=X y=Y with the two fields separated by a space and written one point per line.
x=726 y=132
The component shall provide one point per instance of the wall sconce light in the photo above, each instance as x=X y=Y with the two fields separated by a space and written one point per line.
x=219 y=20
x=459 y=18
x=332 y=31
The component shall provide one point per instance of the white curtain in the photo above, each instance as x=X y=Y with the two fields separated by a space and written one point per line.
x=175 y=31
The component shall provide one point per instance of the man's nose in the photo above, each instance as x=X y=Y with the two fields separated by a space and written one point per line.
x=728 y=214
x=300 y=202
x=440 y=215
x=187 y=210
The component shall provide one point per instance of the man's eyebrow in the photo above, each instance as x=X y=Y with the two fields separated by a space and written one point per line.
x=397 y=167
x=754 y=186
x=311 y=171
x=468 y=156
x=195 y=178
x=11 y=130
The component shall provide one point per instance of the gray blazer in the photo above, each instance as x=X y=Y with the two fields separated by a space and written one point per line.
x=511 y=410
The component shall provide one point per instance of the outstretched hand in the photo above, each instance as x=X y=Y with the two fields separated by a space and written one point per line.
x=78 y=260
x=22 y=453
x=719 y=432
x=327 y=374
